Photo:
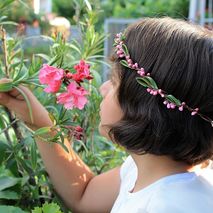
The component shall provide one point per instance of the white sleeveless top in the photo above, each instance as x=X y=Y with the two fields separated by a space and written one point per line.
x=179 y=193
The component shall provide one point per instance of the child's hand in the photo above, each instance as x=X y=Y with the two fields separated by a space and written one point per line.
x=15 y=102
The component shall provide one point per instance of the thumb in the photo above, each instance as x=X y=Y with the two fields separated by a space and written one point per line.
x=7 y=100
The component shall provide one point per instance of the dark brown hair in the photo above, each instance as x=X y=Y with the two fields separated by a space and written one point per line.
x=179 y=57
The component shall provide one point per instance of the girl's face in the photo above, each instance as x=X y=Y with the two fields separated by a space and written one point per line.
x=110 y=111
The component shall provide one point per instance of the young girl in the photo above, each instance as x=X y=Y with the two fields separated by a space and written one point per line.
x=158 y=104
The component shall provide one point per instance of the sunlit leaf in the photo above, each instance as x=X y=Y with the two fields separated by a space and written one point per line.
x=27 y=102
x=42 y=131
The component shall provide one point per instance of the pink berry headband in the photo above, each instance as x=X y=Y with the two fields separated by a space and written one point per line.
x=148 y=82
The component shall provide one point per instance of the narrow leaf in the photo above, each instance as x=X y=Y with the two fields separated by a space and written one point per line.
x=6 y=86
x=8 y=23
x=45 y=57
x=42 y=131
x=9 y=195
x=33 y=154
x=10 y=209
x=151 y=82
x=6 y=182
x=27 y=101
x=124 y=63
x=72 y=46
x=142 y=82
x=174 y=100
x=125 y=49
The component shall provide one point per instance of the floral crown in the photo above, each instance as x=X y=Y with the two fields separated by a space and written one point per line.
x=148 y=82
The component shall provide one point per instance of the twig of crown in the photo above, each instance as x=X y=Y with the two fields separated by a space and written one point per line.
x=148 y=82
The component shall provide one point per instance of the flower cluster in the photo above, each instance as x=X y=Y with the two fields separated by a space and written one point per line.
x=82 y=72
x=75 y=95
x=148 y=82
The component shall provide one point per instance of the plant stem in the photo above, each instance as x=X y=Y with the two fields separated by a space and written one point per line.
x=4 y=48
x=9 y=114
x=11 y=124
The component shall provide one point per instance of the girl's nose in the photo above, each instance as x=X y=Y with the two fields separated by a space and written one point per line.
x=104 y=88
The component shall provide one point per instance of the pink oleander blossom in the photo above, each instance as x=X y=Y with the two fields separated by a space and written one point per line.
x=74 y=97
x=83 y=72
x=51 y=76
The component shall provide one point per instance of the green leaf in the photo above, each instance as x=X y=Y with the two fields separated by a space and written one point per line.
x=88 y=5
x=42 y=131
x=24 y=4
x=63 y=146
x=142 y=82
x=27 y=101
x=174 y=100
x=3 y=150
x=6 y=182
x=33 y=154
x=16 y=54
x=6 y=86
x=21 y=74
x=147 y=81
x=9 y=195
x=151 y=82
x=47 y=208
x=97 y=76
x=52 y=117
x=124 y=63
x=3 y=18
x=35 y=66
x=72 y=46
x=2 y=122
x=45 y=57
x=125 y=49
x=5 y=3
x=11 y=209
x=51 y=208
x=54 y=60
x=37 y=210
x=9 y=23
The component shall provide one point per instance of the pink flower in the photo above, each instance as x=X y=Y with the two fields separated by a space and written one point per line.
x=83 y=72
x=51 y=76
x=74 y=97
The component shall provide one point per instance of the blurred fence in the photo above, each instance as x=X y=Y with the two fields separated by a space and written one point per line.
x=201 y=11
x=33 y=39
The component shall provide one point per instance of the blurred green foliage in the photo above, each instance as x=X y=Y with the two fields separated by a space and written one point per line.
x=21 y=11
x=124 y=9
x=144 y=8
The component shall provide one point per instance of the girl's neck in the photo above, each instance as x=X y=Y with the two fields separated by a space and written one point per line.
x=152 y=168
